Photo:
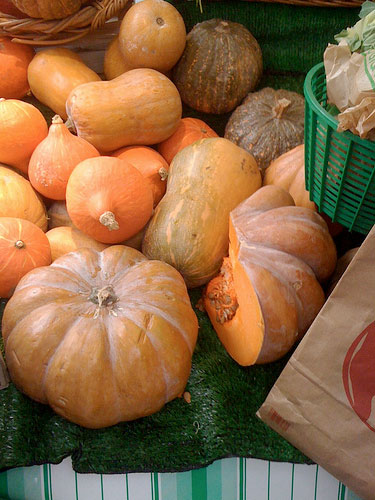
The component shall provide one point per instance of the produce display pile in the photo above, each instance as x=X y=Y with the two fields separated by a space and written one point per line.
x=157 y=270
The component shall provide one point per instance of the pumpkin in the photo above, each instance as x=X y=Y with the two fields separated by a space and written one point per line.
x=269 y=291
x=188 y=131
x=152 y=35
x=22 y=128
x=58 y=215
x=139 y=107
x=65 y=69
x=189 y=228
x=108 y=199
x=64 y=239
x=23 y=247
x=46 y=9
x=114 y=63
x=7 y=7
x=342 y=264
x=19 y=199
x=151 y=164
x=288 y=172
x=268 y=123
x=14 y=61
x=54 y=159
x=222 y=62
x=121 y=325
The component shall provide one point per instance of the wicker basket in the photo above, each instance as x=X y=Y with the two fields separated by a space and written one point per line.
x=95 y=15
x=61 y=31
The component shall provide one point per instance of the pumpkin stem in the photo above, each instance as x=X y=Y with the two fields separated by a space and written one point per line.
x=109 y=221
x=163 y=172
x=57 y=120
x=222 y=295
x=19 y=243
x=70 y=126
x=103 y=296
x=280 y=106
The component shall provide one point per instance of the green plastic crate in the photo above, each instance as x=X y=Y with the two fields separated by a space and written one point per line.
x=339 y=166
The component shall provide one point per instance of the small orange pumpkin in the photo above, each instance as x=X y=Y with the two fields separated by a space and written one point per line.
x=54 y=159
x=108 y=199
x=151 y=164
x=22 y=128
x=23 y=247
x=152 y=35
x=189 y=130
x=14 y=61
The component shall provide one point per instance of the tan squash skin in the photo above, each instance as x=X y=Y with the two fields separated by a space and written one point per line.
x=189 y=229
x=130 y=346
x=278 y=254
x=54 y=73
x=19 y=198
x=152 y=35
x=114 y=62
x=288 y=172
x=141 y=106
x=65 y=239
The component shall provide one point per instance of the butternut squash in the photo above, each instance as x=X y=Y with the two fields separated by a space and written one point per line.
x=141 y=106
x=189 y=228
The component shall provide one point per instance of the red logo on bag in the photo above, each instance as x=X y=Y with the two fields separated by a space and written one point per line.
x=358 y=375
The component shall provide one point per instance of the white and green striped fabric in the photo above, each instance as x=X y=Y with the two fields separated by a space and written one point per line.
x=226 y=479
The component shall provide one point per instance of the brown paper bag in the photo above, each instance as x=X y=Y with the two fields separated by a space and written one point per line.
x=324 y=400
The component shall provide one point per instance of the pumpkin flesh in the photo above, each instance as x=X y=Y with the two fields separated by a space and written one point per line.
x=105 y=319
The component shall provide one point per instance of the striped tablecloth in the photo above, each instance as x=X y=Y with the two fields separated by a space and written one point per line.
x=226 y=479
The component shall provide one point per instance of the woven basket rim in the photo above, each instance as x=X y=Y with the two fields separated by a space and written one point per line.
x=61 y=31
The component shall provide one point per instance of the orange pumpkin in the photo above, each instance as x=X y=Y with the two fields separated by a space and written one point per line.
x=108 y=199
x=19 y=199
x=189 y=130
x=152 y=35
x=22 y=128
x=151 y=164
x=46 y=9
x=102 y=337
x=288 y=172
x=268 y=291
x=54 y=159
x=65 y=239
x=14 y=61
x=23 y=247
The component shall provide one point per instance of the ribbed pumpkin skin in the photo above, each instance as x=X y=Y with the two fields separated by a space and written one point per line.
x=222 y=62
x=264 y=127
x=189 y=228
x=131 y=352
x=48 y=9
